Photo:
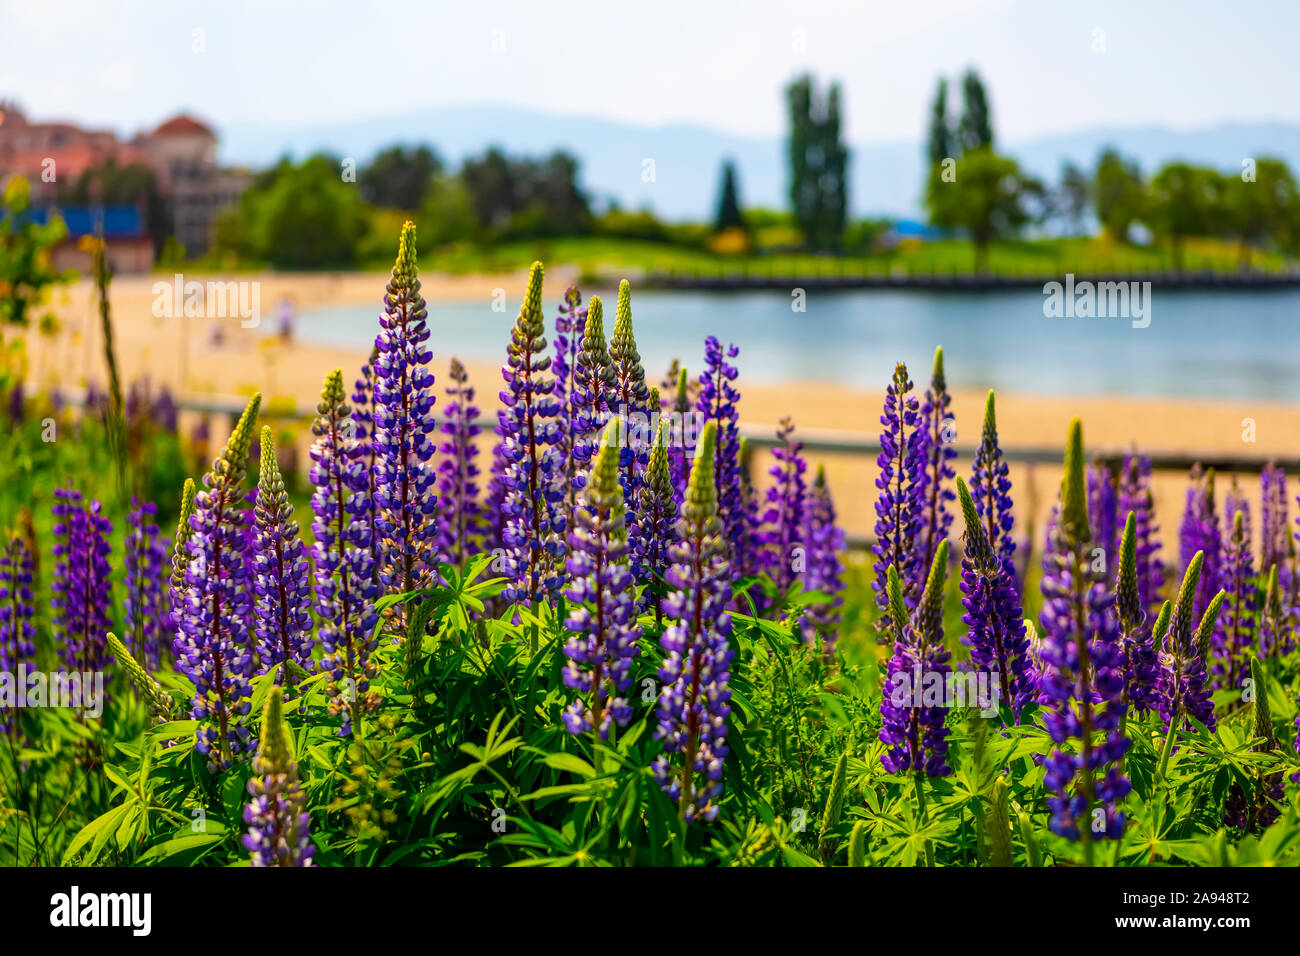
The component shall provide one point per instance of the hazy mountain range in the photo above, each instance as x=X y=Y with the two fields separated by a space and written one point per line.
x=885 y=178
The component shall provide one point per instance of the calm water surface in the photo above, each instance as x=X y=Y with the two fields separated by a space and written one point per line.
x=1228 y=344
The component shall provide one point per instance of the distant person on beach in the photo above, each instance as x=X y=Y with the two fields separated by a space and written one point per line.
x=286 y=315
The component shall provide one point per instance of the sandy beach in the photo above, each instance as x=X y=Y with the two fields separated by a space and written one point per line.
x=244 y=360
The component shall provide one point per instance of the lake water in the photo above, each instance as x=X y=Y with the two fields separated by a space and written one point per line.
x=1216 y=344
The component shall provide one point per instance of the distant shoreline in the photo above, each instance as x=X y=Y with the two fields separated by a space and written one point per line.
x=741 y=282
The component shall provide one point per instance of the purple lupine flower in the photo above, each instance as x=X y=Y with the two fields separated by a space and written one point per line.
x=1231 y=656
x=658 y=510
x=461 y=516
x=211 y=642
x=82 y=598
x=403 y=429
x=1141 y=664
x=14 y=407
x=938 y=426
x=164 y=411
x=1183 y=677
x=1104 y=516
x=695 y=699
x=17 y=614
x=146 y=618
x=994 y=616
x=363 y=450
x=631 y=402
x=494 y=515
x=716 y=402
x=824 y=571
x=898 y=506
x=603 y=617
x=679 y=410
x=277 y=814
x=535 y=519
x=1273 y=508
x=592 y=397
x=344 y=557
x=281 y=581
x=1083 y=666
x=570 y=328
x=1135 y=496
x=990 y=488
x=1199 y=531
x=783 y=519
x=912 y=726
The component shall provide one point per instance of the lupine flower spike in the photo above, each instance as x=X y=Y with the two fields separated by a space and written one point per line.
x=603 y=618
x=344 y=558
x=695 y=701
x=990 y=488
x=631 y=401
x=281 y=584
x=364 y=450
x=593 y=393
x=403 y=430
x=994 y=617
x=716 y=402
x=657 y=508
x=913 y=716
x=940 y=449
x=1183 y=678
x=1104 y=516
x=145 y=615
x=1274 y=630
x=1231 y=653
x=82 y=598
x=460 y=515
x=1083 y=666
x=898 y=506
x=159 y=703
x=679 y=461
x=211 y=645
x=784 y=523
x=1135 y=496
x=1141 y=663
x=535 y=520
x=17 y=614
x=824 y=540
x=570 y=327
x=277 y=816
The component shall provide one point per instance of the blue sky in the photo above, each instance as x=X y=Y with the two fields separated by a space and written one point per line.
x=1185 y=65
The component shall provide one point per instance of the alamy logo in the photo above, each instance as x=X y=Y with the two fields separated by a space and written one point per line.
x=920 y=688
x=80 y=691
x=208 y=300
x=1086 y=299
x=133 y=910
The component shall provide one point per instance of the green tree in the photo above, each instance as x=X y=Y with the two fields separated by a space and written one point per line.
x=989 y=198
x=1118 y=194
x=818 y=163
x=26 y=275
x=399 y=178
x=303 y=217
x=729 y=216
x=1186 y=200
x=976 y=127
x=1262 y=206
x=1072 y=195
x=943 y=142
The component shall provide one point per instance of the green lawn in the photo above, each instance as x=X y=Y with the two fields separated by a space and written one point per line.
x=603 y=257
